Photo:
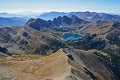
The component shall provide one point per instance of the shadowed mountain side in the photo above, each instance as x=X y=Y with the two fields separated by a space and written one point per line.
x=95 y=66
x=56 y=22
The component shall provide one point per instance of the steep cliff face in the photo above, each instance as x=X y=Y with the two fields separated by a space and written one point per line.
x=95 y=66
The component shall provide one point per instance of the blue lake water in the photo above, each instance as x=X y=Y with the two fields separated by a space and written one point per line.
x=71 y=36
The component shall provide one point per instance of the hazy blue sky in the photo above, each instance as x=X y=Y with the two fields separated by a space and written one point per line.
x=110 y=6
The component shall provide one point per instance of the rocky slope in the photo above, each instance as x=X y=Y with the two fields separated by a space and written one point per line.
x=67 y=64
x=28 y=40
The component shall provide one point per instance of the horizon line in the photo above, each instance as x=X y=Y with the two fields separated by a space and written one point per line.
x=18 y=12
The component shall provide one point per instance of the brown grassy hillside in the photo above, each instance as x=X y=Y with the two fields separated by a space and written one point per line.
x=58 y=66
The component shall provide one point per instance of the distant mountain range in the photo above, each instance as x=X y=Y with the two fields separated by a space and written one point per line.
x=51 y=15
x=15 y=19
x=12 y=21
x=83 y=15
x=18 y=19
x=9 y=19
x=26 y=14
x=6 y=15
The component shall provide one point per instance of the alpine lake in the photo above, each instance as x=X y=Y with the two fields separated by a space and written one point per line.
x=71 y=36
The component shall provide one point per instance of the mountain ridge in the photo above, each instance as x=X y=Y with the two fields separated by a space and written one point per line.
x=59 y=66
x=83 y=15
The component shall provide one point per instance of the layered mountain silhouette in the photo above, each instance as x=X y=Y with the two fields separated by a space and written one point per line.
x=82 y=15
x=51 y=15
x=7 y=15
x=17 y=21
x=12 y=21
